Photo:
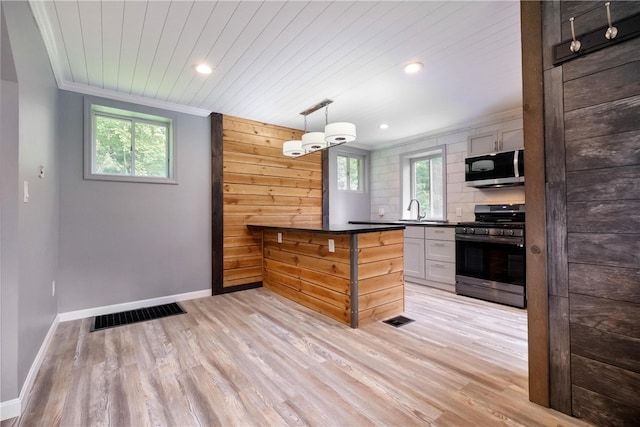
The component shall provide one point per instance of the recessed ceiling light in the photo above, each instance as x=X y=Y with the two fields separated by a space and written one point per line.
x=203 y=69
x=384 y=126
x=413 y=67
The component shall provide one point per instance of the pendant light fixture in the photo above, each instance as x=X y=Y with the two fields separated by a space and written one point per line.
x=334 y=134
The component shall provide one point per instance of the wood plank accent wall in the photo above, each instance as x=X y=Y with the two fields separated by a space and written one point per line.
x=592 y=120
x=302 y=269
x=258 y=182
x=380 y=275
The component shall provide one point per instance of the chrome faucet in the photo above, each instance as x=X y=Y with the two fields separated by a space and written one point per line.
x=409 y=208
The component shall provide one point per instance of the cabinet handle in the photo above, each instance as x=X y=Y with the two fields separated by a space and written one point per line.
x=438 y=265
x=495 y=145
x=438 y=244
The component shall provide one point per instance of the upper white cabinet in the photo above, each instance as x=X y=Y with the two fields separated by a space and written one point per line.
x=507 y=139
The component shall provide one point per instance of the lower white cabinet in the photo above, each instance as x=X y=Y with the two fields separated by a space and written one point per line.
x=414 y=252
x=437 y=267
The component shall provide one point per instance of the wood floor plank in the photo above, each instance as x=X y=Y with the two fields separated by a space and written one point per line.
x=255 y=358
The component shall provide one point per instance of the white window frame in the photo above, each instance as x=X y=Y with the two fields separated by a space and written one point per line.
x=95 y=108
x=407 y=181
x=361 y=172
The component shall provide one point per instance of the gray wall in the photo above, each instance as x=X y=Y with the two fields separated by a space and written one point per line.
x=345 y=206
x=36 y=241
x=123 y=241
x=8 y=220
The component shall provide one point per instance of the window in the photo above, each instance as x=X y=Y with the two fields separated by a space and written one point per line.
x=125 y=145
x=350 y=172
x=424 y=180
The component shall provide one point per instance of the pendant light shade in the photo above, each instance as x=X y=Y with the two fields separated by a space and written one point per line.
x=292 y=149
x=339 y=133
x=313 y=141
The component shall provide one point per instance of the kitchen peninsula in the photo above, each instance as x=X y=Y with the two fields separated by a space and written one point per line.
x=351 y=273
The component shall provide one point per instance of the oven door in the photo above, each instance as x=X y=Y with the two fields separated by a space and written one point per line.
x=491 y=268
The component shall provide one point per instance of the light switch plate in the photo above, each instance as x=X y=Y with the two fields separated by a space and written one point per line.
x=332 y=245
x=279 y=237
x=26 y=192
x=458 y=212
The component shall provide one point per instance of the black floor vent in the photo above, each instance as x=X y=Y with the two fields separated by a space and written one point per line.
x=134 y=316
x=398 y=321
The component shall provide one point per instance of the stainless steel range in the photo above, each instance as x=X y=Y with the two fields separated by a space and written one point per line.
x=490 y=255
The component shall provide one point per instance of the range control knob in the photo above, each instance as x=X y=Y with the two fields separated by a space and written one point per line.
x=511 y=233
x=472 y=231
x=486 y=231
x=501 y=232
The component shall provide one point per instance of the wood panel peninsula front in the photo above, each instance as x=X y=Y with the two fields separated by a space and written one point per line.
x=351 y=273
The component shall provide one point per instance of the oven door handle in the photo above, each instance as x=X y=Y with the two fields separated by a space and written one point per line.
x=490 y=239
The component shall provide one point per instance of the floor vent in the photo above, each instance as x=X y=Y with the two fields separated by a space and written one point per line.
x=134 y=316
x=398 y=321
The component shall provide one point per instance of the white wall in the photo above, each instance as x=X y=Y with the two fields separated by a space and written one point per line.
x=123 y=241
x=345 y=206
x=385 y=171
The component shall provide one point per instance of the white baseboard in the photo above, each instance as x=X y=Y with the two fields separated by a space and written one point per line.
x=10 y=409
x=13 y=408
x=116 y=308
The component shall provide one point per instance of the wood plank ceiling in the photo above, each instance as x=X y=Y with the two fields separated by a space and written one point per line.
x=274 y=59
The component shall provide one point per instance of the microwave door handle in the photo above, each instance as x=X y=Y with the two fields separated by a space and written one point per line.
x=515 y=164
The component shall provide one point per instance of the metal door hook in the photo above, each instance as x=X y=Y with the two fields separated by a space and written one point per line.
x=575 y=44
x=612 y=31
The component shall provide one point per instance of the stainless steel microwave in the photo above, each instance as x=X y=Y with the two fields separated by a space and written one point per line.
x=495 y=170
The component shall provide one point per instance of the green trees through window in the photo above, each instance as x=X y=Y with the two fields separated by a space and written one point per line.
x=427 y=184
x=349 y=173
x=128 y=144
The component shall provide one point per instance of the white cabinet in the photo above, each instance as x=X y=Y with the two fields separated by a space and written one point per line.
x=437 y=247
x=490 y=142
x=414 y=252
x=440 y=257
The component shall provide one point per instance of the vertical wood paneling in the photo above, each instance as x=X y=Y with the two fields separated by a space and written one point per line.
x=259 y=183
x=533 y=111
x=217 y=213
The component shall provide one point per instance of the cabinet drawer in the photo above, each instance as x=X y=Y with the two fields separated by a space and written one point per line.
x=414 y=232
x=440 y=233
x=440 y=250
x=440 y=271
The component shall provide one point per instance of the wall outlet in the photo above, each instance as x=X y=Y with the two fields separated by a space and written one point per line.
x=458 y=212
x=380 y=211
x=332 y=245
x=53 y=288
x=279 y=237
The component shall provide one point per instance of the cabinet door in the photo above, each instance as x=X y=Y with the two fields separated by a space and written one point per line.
x=414 y=257
x=483 y=143
x=511 y=140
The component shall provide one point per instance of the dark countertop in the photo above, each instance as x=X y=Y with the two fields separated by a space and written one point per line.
x=335 y=228
x=411 y=223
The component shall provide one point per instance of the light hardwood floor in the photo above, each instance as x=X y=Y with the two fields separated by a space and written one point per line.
x=255 y=358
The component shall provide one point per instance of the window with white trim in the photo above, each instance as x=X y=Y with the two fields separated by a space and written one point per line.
x=424 y=180
x=125 y=145
x=350 y=169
